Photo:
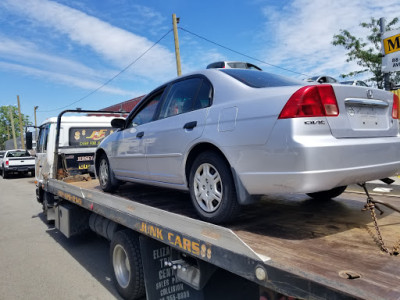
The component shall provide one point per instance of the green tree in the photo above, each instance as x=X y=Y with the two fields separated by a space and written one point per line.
x=5 y=123
x=366 y=52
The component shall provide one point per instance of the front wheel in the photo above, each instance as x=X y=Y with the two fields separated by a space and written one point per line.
x=127 y=265
x=212 y=189
x=329 y=194
x=107 y=180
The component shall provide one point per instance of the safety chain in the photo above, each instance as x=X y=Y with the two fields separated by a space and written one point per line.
x=371 y=206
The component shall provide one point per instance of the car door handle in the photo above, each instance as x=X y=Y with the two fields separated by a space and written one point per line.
x=140 y=134
x=190 y=125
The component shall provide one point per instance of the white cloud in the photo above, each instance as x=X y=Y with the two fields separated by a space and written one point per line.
x=64 y=79
x=27 y=53
x=304 y=30
x=111 y=43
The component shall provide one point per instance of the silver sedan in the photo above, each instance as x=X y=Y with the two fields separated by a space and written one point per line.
x=227 y=135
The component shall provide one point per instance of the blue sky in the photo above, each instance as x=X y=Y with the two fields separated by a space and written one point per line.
x=56 y=54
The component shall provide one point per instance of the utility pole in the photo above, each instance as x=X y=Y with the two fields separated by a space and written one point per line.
x=175 y=21
x=34 y=111
x=8 y=132
x=21 y=129
x=12 y=127
x=386 y=76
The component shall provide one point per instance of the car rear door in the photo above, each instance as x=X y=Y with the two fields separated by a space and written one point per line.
x=180 y=122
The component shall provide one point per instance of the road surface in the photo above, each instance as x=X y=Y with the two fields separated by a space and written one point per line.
x=37 y=261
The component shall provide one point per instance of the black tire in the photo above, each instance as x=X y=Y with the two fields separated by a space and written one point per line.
x=107 y=180
x=329 y=194
x=5 y=173
x=129 y=280
x=212 y=188
x=48 y=203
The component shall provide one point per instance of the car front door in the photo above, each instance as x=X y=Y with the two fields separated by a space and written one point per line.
x=180 y=122
x=128 y=158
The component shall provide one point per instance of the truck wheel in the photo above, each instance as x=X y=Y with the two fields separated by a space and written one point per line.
x=127 y=265
x=47 y=205
x=106 y=176
x=329 y=194
x=212 y=189
x=5 y=174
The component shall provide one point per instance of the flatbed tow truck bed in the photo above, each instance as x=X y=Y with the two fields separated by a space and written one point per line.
x=288 y=243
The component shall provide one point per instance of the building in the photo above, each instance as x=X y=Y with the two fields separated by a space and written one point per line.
x=124 y=106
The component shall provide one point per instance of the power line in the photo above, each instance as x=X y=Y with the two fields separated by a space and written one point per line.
x=112 y=78
x=237 y=52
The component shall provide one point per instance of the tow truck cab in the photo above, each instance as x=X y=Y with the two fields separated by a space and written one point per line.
x=78 y=138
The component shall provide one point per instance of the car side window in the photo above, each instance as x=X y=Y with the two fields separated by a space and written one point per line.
x=147 y=112
x=204 y=96
x=181 y=97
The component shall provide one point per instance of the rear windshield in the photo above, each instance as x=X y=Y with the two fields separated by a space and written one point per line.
x=18 y=154
x=259 y=79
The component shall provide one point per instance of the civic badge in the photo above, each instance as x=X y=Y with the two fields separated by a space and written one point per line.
x=370 y=95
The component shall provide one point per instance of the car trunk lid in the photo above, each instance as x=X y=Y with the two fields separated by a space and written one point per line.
x=363 y=112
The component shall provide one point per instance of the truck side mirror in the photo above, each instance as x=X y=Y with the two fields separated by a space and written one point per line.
x=118 y=123
x=28 y=139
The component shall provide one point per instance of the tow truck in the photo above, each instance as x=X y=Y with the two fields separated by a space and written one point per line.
x=284 y=247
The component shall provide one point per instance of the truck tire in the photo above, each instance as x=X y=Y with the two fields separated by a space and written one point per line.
x=4 y=173
x=47 y=204
x=107 y=181
x=329 y=194
x=127 y=265
x=212 y=188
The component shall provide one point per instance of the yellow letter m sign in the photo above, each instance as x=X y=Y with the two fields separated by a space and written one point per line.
x=392 y=44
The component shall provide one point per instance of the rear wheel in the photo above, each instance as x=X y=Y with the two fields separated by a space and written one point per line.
x=127 y=265
x=329 y=194
x=5 y=173
x=106 y=176
x=48 y=207
x=212 y=189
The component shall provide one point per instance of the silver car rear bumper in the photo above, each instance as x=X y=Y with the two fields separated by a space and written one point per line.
x=304 y=164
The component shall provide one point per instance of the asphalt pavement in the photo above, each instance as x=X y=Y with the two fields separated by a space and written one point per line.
x=37 y=261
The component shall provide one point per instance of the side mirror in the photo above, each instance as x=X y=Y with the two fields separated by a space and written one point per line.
x=118 y=123
x=28 y=139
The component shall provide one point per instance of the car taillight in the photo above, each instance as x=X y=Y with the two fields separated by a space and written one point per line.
x=311 y=101
x=7 y=162
x=395 y=109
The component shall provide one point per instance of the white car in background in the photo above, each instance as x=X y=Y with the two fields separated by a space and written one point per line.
x=233 y=65
x=322 y=79
x=355 y=82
